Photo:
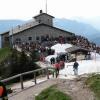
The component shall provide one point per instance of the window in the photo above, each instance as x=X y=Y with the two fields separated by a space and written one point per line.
x=39 y=21
x=37 y=38
x=18 y=40
x=6 y=38
x=42 y=38
x=29 y=38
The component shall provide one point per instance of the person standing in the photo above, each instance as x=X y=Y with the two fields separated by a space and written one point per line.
x=3 y=91
x=75 y=67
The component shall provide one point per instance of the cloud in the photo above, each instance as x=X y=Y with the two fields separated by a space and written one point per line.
x=25 y=9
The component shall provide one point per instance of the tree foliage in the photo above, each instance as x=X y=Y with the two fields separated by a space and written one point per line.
x=17 y=62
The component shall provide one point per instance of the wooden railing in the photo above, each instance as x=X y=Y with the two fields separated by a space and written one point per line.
x=29 y=72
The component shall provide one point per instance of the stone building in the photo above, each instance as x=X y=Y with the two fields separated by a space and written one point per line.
x=4 y=39
x=40 y=26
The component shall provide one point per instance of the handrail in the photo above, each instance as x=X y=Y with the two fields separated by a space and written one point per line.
x=10 y=78
x=29 y=72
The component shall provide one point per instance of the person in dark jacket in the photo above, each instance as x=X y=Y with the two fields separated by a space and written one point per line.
x=3 y=95
x=75 y=67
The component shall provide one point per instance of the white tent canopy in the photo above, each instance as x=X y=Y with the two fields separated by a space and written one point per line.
x=61 y=48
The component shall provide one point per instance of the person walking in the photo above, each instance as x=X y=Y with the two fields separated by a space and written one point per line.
x=75 y=67
x=3 y=91
x=57 y=68
x=62 y=64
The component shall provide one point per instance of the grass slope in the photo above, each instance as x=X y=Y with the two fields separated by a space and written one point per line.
x=4 y=52
x=94 y=83
x=52 y=93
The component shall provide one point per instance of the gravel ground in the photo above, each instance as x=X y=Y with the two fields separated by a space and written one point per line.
x=75 y=88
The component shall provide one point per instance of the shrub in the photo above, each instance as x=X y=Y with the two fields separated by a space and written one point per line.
x=52 y=93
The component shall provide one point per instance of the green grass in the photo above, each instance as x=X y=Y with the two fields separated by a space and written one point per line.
x=94 y=83
x=52 y=93
x=4 y=52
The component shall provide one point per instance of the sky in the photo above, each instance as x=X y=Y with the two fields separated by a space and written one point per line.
x=26 y=9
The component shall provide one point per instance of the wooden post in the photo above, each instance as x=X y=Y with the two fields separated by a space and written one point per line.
x=35 y=78
x=95 y=55
x=53 y=73
x=21 y=81
x=42 y=72
x=47 y=71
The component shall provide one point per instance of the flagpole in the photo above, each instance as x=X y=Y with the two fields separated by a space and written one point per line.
x=46 y=6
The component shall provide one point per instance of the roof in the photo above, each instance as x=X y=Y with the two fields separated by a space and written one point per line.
x=23 y=27
x=7 y=32
x=75 y=48
x=42 y=24
x=43 y=14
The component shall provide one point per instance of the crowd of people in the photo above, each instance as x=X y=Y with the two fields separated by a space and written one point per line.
x=43 y=48
x=46 y=42
x=85 y=43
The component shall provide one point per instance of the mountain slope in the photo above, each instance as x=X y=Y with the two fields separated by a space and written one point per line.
x=6 y=25
x=94 y=21
x=74 y=26
x=79 y=28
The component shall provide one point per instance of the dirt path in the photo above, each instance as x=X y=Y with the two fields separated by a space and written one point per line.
x=75 y=88
x=30 y=93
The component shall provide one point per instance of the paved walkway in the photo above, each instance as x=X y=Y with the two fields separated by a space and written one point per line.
x=30 y=93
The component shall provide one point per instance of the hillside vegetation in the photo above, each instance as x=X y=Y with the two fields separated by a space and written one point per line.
x=52 y=93
x=4 y=53
x=94 y=83
x=13 y=62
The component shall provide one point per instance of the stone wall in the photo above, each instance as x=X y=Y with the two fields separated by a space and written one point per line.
x=38 y=31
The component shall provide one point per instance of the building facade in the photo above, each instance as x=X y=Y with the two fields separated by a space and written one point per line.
x=0 y=41
x=4 y=39
x=41 y=26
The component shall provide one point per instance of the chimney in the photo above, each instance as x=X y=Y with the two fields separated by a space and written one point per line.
x=41 y=12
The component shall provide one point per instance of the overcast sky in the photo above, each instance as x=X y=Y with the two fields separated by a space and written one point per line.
x=26 y=9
